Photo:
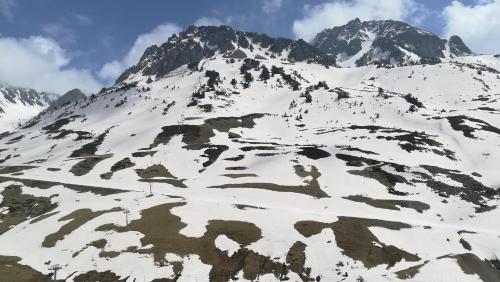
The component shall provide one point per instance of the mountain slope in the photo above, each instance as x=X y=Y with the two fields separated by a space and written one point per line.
x=386 y=43
x=262 y=168
x=20 y=104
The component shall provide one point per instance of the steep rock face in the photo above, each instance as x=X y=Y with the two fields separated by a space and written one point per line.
x=197 y=43
x=69 y=97
x=458 y=47
x=386 y=43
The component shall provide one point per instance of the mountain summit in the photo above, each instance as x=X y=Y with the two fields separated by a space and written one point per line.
x=198 y=43
x=386 y=42
x=355 y=44
x=68 y=98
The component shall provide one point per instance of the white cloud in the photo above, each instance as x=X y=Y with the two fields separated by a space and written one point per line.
x=478 y=25
x=5 y=8
x=336 y=13
x=271 y=6
x=110 y=71
x=40 y=63
x=206 y=21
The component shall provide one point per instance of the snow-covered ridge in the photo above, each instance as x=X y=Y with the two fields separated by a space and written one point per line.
x=386 y=42
x=17 y=105
x=198 y=43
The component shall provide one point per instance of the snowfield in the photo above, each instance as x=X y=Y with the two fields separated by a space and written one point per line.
x=359 y=174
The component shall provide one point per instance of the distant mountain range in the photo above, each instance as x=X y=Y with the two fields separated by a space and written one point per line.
x=18 y=104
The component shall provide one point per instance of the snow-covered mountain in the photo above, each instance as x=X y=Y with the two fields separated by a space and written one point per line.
x=386 y=42
x=17 y=105
x=198 y=43
x=227 y=155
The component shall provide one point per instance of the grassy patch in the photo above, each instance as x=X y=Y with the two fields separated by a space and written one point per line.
x=161 y=229
x=20 y=207
x=76 y=219
x=11 y=270
x=311 y=187
x=356 y=240
x=390 y=204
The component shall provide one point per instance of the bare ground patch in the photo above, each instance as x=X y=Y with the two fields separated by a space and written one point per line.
x=159 y=174
x=11 y=270
x=87 y=164
x=161 y=230
x=76 y=219
x=356 y=240
x=17 y=207
x=390 y=204
x=42 y=184
x=311 y=187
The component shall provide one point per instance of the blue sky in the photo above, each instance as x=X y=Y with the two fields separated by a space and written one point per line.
x=85 y=36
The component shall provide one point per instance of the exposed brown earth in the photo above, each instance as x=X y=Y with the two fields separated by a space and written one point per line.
x=11 y=270
x=20 y=207
x=390 y=204
x=356 y=240
x=76 y=219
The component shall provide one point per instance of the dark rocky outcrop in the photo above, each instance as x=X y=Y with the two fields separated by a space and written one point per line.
x=198 y=43
x=68 y=98
x=458 y=47
x=391 y=43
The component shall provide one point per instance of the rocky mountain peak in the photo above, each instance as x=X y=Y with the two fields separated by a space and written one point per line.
x=354 y=24
x=386 y=42
x=69 y=97
x=357 y=43
x=458 y=47
x=74 y=93
x=201 y=42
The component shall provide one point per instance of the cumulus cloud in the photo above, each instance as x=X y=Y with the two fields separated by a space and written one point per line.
x=39 y=62
x=110 y=71
x=335 y=13
x=272 y=6
x=478 y=24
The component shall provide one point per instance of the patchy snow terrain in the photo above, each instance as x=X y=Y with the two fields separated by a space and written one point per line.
x=250 y=164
